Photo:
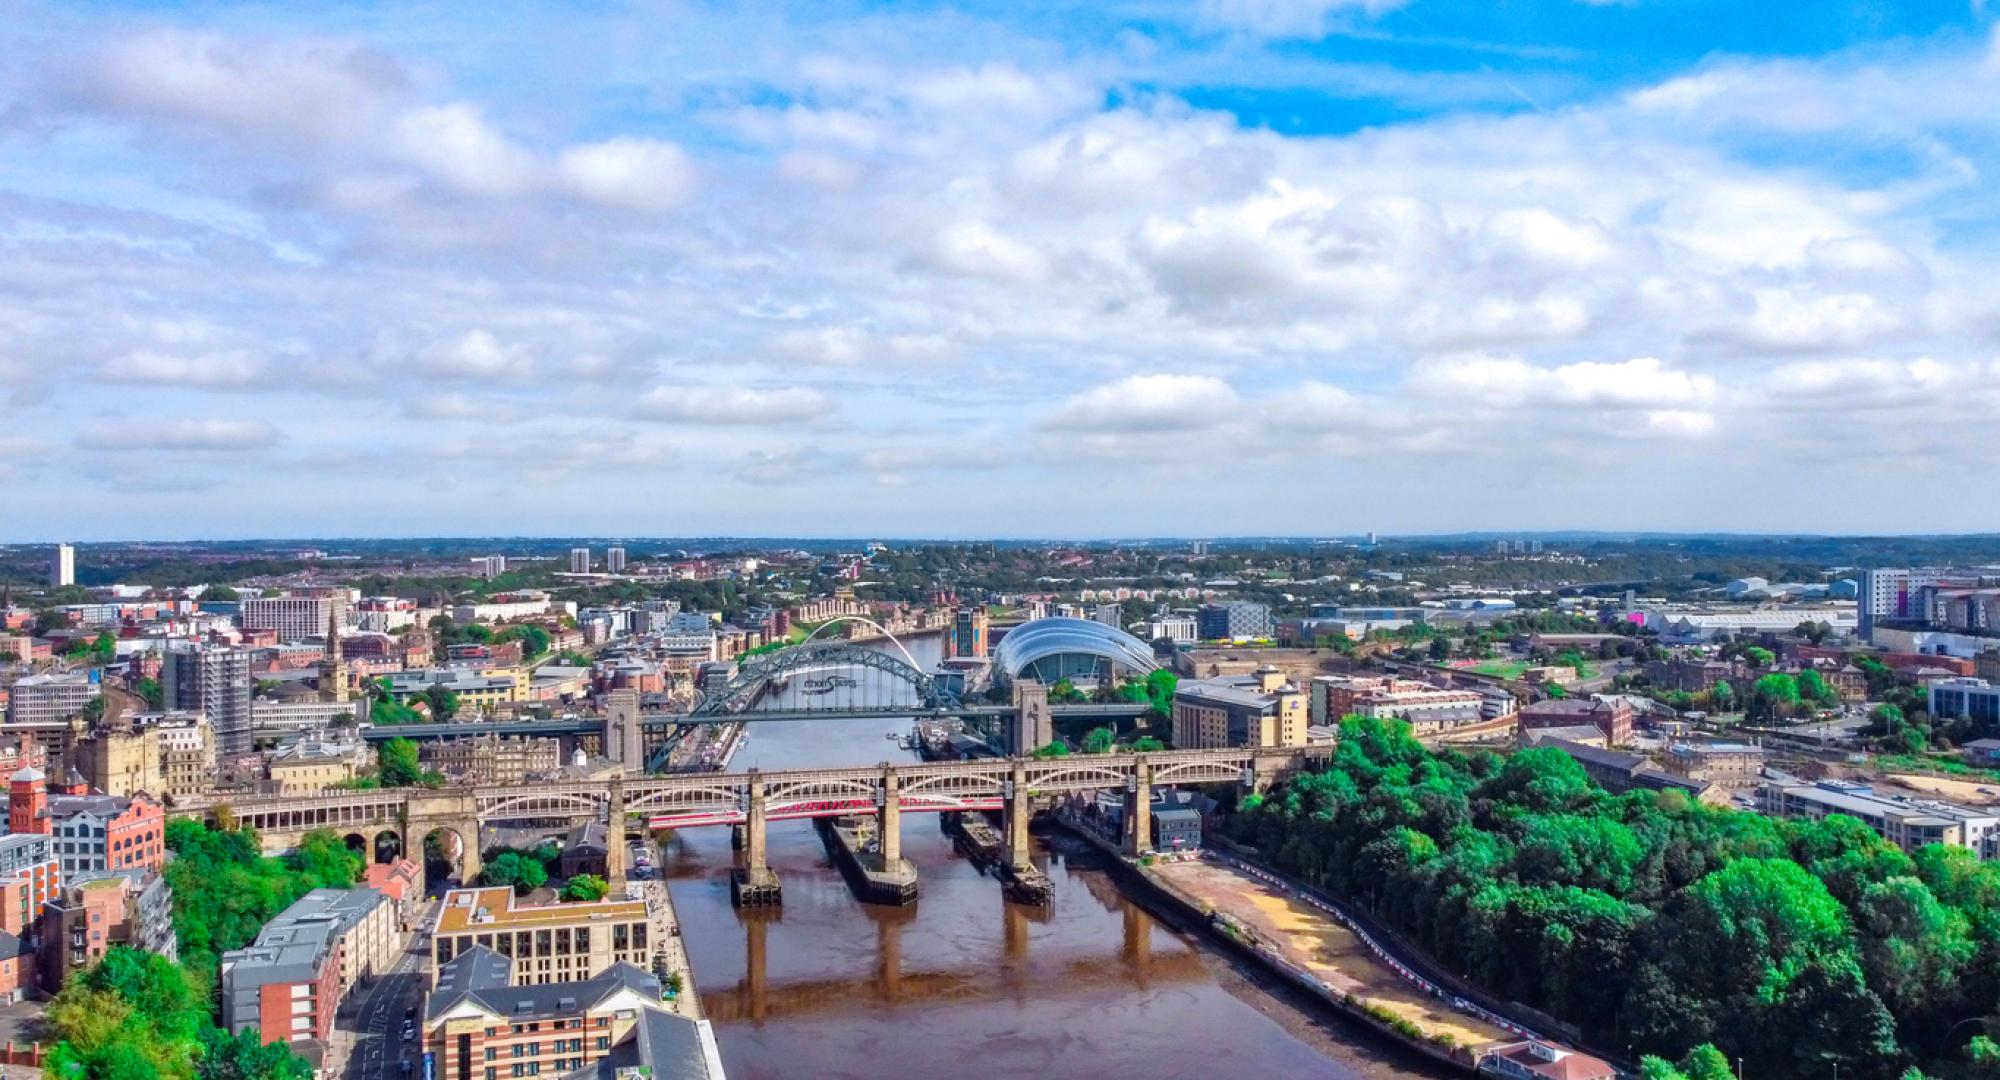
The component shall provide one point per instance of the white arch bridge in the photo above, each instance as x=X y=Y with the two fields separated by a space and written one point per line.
x=751 y=799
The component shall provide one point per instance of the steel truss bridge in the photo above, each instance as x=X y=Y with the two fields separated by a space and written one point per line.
x=752 y=799
x=818 y=675
x=818 y=680
x=1118 y=710
x=722 y=798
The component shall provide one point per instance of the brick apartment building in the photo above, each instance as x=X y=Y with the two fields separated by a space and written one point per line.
x=547 y=943
x=480 y=1025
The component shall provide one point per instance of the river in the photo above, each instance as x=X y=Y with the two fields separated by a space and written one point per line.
x=963 y=982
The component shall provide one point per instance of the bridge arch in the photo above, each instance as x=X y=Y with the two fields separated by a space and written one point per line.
x=864 y=620
x=750 y=682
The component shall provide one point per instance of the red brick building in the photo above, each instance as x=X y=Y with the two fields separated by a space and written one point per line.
x=1611 y=716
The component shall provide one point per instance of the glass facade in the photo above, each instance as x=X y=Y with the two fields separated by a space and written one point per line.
x=1050 y=650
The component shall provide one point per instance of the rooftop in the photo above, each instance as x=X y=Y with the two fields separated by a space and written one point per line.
x=483 y=978
x=498 y=906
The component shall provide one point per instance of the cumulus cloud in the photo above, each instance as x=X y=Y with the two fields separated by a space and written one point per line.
x=937 y=236
x=191 y=435
x=976 y=249
x=213 y=371
x=1288 y=18
x=1505 y=381
x=628 y=173
x=475 y=354
x=733 y=405
x=290 y=91
x=846 y=346
x=454 y=145
x=1147 y=404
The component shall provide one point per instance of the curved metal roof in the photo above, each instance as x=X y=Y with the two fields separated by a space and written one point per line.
x=1038 y=638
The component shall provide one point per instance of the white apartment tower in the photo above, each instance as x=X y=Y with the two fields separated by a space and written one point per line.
x=579 y=560
x=614 y=560
x=62 y=567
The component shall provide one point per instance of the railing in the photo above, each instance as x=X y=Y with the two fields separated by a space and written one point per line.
x=1081 y=772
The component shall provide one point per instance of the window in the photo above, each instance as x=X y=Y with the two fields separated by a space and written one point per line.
x=491 y=1052
x=604 y=1042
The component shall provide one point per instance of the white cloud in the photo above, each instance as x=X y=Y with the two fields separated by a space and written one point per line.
x=212 y=371
x=1506 y=382
x=188 y=435
x=1147 y=404
x=629 y=174
x=1791 y=320
x=733 y=405
x=976 y=249
x=289 y=91
x=847 y=346
x=475 y=354
x=454 y=145
x=1287 y=18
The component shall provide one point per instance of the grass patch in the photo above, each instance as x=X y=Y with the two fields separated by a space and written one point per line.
x=1950 y=765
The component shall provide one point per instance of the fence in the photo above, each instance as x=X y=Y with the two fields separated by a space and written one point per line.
x=30 y=1054
x=1387 y=958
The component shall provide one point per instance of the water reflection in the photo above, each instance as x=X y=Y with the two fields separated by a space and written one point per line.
x=829 y=987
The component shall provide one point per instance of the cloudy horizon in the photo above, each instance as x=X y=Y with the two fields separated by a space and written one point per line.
x=1244 y=267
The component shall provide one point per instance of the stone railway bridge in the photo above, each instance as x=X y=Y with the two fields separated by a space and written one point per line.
x=750 y=800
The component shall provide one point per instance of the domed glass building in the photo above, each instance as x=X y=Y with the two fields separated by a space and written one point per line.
x=1082 y=651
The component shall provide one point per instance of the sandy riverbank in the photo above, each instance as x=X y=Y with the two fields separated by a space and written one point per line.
x=1312 y=940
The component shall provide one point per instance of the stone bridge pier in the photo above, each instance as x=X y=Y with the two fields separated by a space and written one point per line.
x=754 y=884
x=1138 y=833
x=454 y=813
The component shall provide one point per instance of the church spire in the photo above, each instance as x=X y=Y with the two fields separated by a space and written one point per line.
x=332 y=667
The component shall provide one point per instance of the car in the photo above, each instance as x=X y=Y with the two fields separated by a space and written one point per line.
x=404 y=1066
x=410 y=1014
x=409 y=1031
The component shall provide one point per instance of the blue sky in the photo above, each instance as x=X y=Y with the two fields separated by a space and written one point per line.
x=1227 y=267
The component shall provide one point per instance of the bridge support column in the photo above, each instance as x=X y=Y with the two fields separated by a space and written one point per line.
x=614 y=831
x=891 y=824
x=1138 y=836
x=1019 y=810
x=753 y=884
x=1032 y=727
x=623 y=738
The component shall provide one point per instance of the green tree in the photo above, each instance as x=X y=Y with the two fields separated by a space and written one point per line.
x=1759 y=657
x=1099 y=740
x=514 y=869
x=1055 y=749
x=585 y=887
x=327 y=861
x=152 y=692
x=1064 y=692
x=396 y=763
x=246 y=1057
x=1814 y=688
x=1773 y=697
x=443 y=703
x=1705 y=1062
x=1146 y=744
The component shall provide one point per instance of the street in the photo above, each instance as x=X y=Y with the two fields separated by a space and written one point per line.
x=369 y=1024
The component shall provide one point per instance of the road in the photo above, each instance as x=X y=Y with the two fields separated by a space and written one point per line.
x=369 y=1024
